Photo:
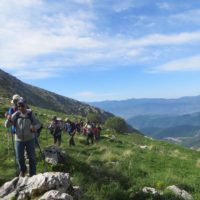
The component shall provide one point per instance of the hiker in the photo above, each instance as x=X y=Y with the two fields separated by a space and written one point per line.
x=38 y=131
x=89 y=133
x=26 y=126
x=70 y=127
x=56 y=130
x=12 y=110
x=78 y=127
x=97 y=132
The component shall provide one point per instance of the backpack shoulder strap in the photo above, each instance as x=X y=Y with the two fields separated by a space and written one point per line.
x=30 y=116
x=17 y=117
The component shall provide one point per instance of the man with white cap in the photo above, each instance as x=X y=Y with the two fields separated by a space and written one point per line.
x=13 y=109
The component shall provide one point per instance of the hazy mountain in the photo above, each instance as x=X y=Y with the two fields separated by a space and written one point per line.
x=183 y=129
x=172 y=132
x=10 y=85
x=132 y=107
x=177 y=120
x=164 y=121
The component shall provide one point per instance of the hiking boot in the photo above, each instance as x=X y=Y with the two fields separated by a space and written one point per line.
x=22 y=174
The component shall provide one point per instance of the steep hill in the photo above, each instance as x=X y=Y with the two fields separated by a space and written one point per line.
x=10 y=85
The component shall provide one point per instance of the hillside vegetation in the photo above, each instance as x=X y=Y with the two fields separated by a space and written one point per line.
x=116 y=167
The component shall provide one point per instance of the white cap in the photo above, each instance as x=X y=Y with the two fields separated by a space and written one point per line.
x=15 y=97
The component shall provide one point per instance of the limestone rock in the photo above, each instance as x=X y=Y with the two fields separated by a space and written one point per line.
x=180 y=193
x=54 y=155
x=24 y=188
x=56 y=195
x=149 y=190
x=8 y=187
x=78 y=192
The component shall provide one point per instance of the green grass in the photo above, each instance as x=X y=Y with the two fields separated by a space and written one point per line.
x=114 y=168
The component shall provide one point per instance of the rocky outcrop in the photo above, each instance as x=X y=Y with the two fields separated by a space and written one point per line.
x=180 y=193
x=54 y=155
x=171 y=192
x=49 y=185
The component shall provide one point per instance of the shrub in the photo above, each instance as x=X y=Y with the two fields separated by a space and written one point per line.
x=94 y=118
x=117 y=124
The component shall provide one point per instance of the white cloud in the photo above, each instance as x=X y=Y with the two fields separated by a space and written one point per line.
x=186 y=64
x=88 y=95
x=160 y=39
x=164 y=5
x=87 y=2
x=187 y=16
x=120 y=6
x=31 y=74
x=35 y=33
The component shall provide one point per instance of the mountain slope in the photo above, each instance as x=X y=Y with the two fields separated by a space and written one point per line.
x=10 y=85
x=117 y=167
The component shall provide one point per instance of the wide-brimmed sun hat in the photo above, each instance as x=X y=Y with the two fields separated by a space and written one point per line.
x=15 y=97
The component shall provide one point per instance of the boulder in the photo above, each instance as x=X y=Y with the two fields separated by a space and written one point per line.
x=150 y=190
x=54 y=155
x=23 y=188
x=146 y=193
x=77 y=192
x=56 y=195
x=180 y=193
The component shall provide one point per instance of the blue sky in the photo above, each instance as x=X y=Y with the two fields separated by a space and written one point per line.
x=93 y=50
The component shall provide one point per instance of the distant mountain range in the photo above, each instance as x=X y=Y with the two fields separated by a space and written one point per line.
x=10 y=85
x=133 y=107
x=175 y=120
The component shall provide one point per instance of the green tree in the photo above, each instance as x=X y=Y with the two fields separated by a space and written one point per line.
x=117 y=123
x=93 y=117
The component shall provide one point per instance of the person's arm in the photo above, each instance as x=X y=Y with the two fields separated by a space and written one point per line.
x=35 y=124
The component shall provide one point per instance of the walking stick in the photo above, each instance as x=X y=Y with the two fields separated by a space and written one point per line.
x=42 y=155
x=47 y=136
x=8 y=140
x=14 y=150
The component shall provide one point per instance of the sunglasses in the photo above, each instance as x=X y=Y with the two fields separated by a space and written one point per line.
x=22 y=106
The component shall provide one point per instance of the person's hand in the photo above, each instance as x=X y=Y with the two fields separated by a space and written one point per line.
x=33 y=128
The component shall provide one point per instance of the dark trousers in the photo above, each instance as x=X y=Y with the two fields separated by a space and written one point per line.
x=90 y=136
x=71 y=141
x=30 y=148
x=57 y=139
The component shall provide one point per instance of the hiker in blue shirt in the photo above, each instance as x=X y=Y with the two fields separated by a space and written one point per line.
x=12 y=110
x=26 y=126
x=70 y=127
x=56 y=130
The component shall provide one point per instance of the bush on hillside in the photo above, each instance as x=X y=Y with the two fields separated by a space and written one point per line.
x=95 y=118
x=117 y=124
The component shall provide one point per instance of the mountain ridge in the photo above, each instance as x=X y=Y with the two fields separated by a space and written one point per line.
x=36 y=96
x=150 y=106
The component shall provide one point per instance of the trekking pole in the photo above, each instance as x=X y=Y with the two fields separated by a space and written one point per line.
x=8 y=140
x=14 y=150
x=47 y=136
x=42 y=155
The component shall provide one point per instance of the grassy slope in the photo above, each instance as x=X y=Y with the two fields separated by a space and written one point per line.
x=115 y=168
